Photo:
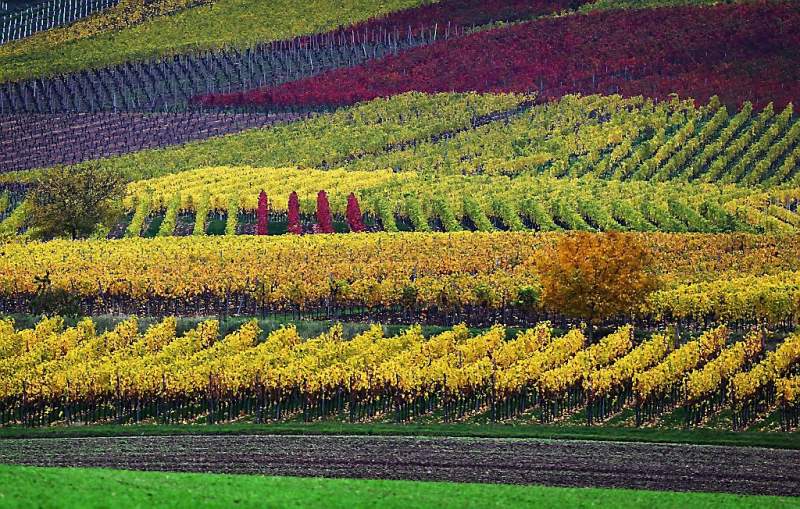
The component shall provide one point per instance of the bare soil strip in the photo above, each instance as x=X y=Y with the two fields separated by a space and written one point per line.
x=743 y=470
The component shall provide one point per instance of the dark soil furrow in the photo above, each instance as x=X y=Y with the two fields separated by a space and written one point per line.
x=556 y=463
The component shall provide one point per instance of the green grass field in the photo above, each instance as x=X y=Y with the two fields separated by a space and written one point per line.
x=79 y=487
x=607 y=433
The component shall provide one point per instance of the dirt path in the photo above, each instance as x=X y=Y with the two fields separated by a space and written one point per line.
x=555 y=463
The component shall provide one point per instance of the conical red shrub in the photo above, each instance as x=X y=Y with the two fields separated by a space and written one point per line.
x=354 y=214
x=324 y=218
x=294 y=215
x=262 y=214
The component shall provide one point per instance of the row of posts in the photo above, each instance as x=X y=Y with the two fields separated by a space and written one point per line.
x=44 y=16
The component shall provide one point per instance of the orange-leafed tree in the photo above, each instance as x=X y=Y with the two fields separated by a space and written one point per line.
x=596 y=276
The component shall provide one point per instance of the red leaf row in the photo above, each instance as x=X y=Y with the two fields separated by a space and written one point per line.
x=739 y=52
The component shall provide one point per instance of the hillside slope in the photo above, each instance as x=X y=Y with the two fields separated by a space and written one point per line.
x=738 y=52
x=224 y=23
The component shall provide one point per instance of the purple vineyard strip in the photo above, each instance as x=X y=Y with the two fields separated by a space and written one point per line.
x=38 y=140
x=746 y=470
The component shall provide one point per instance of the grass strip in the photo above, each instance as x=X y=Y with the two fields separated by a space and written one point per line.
x=91 y=487
x=778 y=440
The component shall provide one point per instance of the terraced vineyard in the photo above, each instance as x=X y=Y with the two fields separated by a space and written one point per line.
x=531 y=219
x=172 y=82
x=618 y=139
x=498 y=145
x=724 y=50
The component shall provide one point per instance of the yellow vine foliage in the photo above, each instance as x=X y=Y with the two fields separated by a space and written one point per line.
x=744 y=386
x=558 y=380
x=788 y=390
x=678 y=364
x=604 y=381
x=704 y=382
x=76 y=364
x=445 y=270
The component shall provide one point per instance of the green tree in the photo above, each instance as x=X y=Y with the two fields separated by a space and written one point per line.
x=75 y=201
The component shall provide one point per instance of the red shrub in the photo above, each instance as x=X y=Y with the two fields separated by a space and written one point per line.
x=354 y=214
x=294 y=215
x=324 y=218
x=262 y=214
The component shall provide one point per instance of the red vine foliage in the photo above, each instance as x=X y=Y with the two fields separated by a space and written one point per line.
x=740 y=52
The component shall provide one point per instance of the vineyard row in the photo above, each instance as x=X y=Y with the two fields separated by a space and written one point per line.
x=524 y=205
x=75 y=375
x=40 y=141
x=441 y=278
x=21 y=23
x=626 y=140
x=606 y=137
x=169 y=83
x=146 y=31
